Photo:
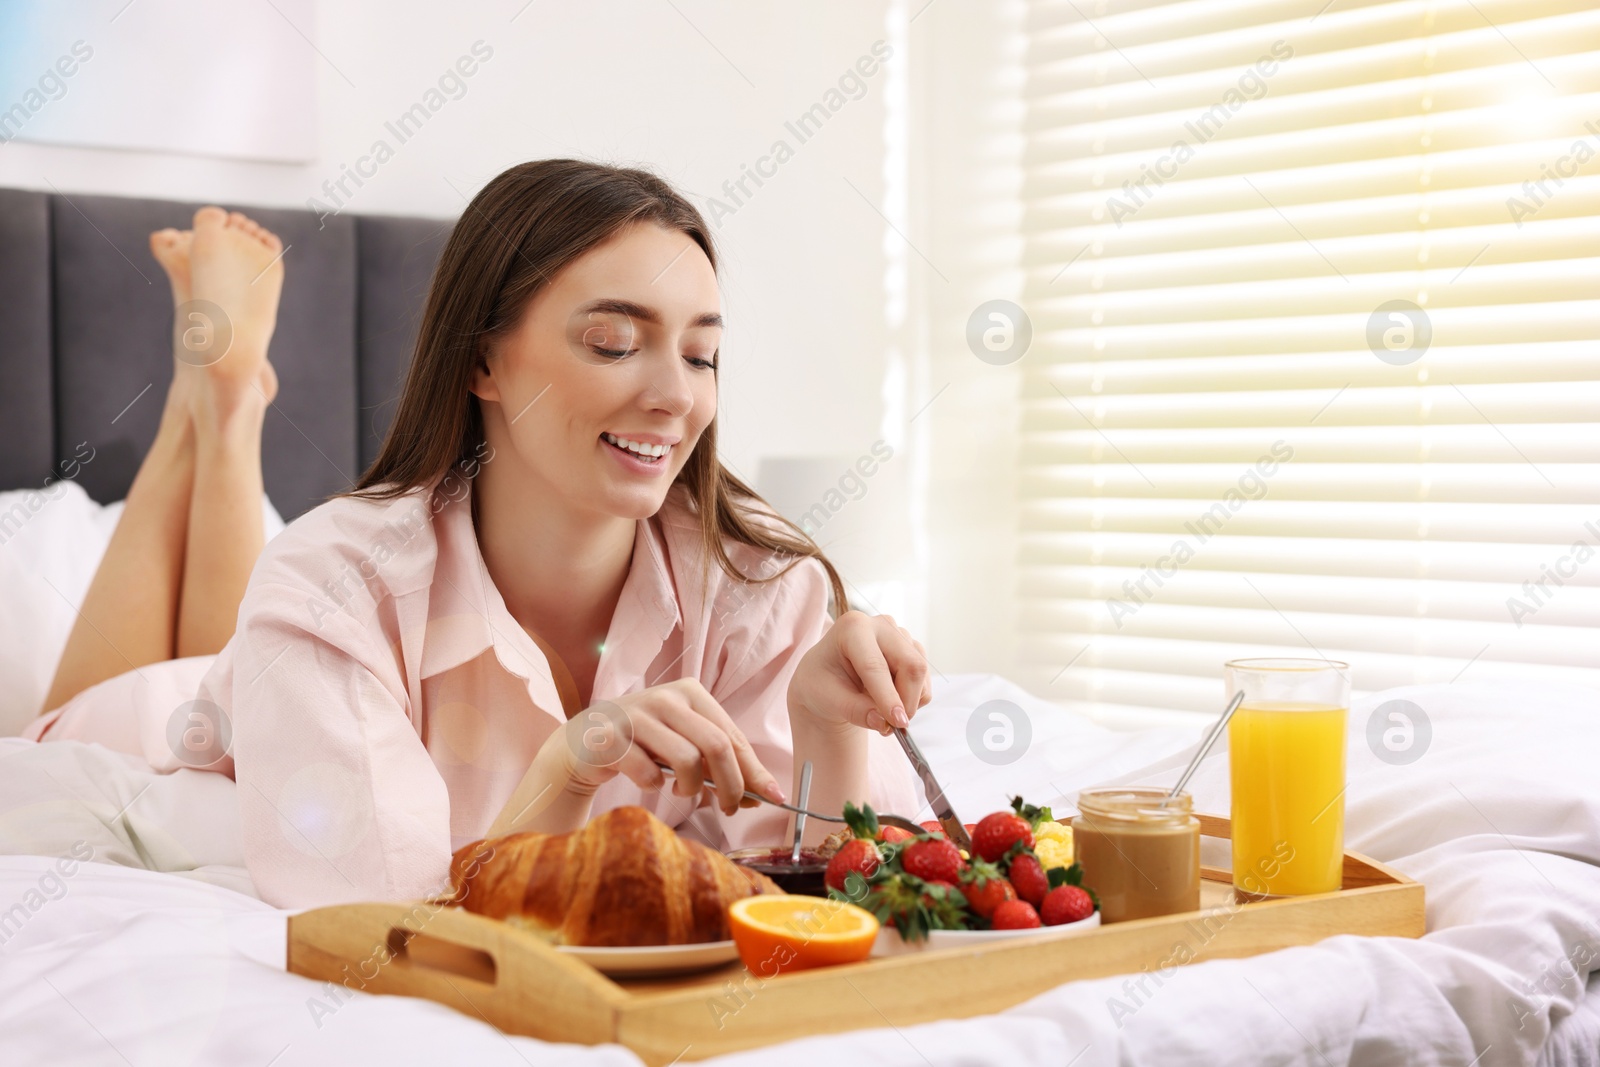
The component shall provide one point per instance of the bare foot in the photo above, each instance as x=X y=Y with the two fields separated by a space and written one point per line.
x=235 y=267
x=171 y=249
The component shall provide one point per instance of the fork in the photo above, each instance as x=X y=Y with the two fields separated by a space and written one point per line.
x=883 y=819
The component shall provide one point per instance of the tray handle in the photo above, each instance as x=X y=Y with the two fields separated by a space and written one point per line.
x=418 y=948
x=477 y=965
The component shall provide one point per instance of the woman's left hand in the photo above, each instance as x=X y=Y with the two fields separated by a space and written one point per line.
x=866 y=671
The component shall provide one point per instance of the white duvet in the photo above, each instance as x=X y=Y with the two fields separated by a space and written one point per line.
x=156 y=953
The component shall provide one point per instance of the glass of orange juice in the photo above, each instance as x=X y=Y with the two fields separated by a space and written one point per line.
x=1286 y=762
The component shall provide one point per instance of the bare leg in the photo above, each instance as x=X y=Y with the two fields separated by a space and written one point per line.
x=235 y=264
x=174 y=573
x=129 y=616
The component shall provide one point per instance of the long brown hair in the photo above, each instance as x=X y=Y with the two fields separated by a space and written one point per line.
x=519 y=231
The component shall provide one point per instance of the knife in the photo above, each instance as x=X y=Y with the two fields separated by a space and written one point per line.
x=936 y=798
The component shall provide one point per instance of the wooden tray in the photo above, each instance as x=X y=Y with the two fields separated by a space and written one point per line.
x=512 y=979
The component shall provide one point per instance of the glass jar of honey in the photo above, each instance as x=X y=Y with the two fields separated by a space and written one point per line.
x=1140 y=851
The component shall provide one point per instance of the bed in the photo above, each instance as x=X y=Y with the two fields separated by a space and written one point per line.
x=157 y=951
x=130 y=931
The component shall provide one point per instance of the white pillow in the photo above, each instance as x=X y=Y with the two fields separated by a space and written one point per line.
x=51 y=541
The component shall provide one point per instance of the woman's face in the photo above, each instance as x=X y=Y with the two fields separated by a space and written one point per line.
x=618 y=347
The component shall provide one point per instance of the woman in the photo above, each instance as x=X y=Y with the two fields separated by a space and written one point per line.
x=514 y=620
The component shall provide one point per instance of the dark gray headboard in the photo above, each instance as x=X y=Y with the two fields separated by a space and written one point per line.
x=85 y=328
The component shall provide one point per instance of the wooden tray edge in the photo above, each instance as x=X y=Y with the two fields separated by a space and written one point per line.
x=698 y=1021
x=438 y=952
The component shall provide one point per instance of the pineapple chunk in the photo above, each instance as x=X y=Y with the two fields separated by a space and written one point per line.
x=1052 y=843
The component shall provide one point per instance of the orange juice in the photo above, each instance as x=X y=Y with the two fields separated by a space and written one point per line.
x=1286 y=762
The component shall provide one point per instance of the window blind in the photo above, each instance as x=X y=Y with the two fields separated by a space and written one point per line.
x=1316 y=353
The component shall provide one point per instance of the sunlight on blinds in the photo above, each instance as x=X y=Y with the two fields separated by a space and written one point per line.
x=1315 y=293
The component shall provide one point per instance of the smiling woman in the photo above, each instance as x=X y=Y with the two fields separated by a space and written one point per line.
x=553 y=260
x=529 y=625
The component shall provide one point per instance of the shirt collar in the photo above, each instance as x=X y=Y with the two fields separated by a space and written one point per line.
x=467 y=614
x=650 y=577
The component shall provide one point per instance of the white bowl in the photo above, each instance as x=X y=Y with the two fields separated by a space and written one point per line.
x=890 y=943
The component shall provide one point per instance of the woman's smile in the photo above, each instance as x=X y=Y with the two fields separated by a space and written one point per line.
x=647 y=454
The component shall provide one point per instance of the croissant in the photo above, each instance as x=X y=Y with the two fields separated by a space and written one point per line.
x=624 y=879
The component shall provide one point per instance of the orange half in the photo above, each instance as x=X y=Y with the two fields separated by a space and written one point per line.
x=778 y=934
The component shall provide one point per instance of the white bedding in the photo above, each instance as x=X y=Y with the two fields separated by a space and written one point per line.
x=1500 y=818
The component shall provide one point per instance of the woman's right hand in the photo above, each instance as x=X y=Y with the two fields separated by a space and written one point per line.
x=678 y=724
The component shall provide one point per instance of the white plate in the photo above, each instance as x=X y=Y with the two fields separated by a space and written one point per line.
x=654 y=960
x=889 y=942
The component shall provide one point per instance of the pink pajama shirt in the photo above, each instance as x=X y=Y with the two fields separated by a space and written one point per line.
x=378 y=704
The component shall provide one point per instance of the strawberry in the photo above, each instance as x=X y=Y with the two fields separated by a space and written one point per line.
x=1027 y=875
x=911 y=905
x=996 y=833
x=1015 y=915
x=984 y=895
x=1034 y=815
x=891 y=834
x=933 y=859
x=933 y=827
x=859 y=855
x=863 y=821
x=946 y=907
x=1066 y=904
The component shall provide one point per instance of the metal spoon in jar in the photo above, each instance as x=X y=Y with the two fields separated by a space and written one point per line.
x=800 y=817
x=1205 y=746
